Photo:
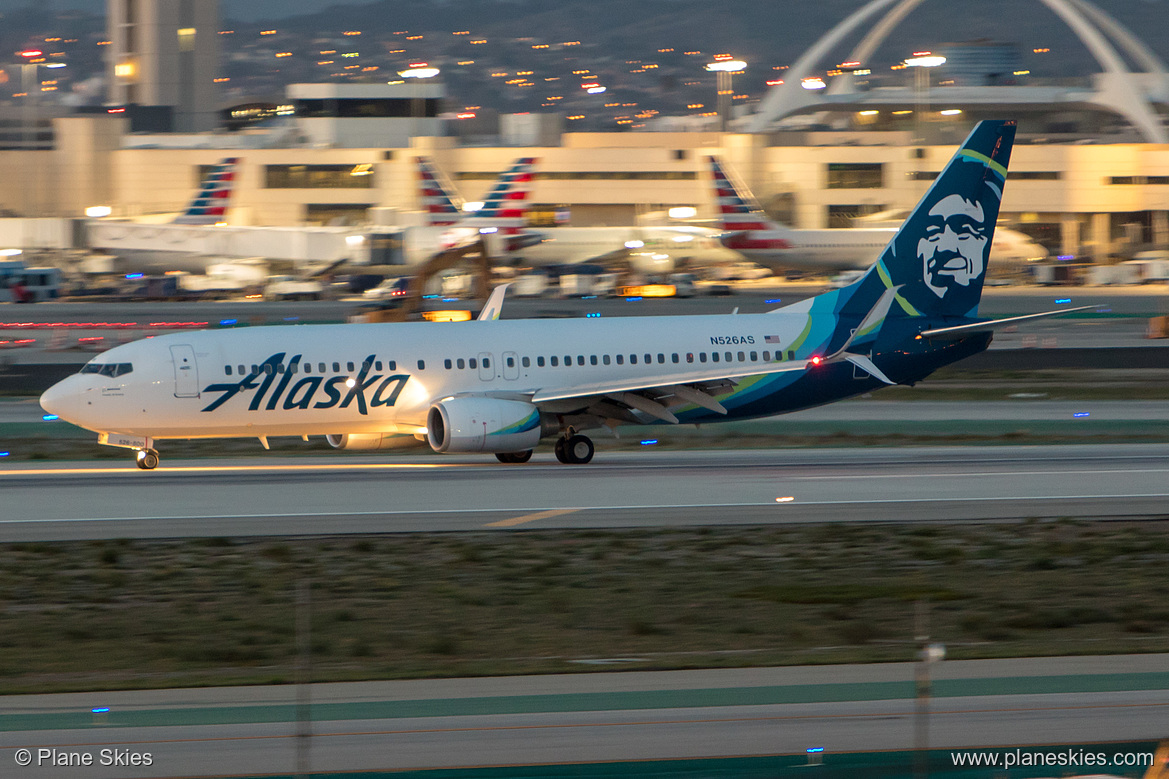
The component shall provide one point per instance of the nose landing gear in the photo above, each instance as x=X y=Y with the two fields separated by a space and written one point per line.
x=147 y=459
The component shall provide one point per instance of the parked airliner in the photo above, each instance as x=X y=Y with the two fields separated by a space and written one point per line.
x=649 y=249
x=501 y=386
x=752 y=234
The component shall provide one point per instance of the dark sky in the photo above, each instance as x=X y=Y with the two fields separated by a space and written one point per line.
x=235 y=9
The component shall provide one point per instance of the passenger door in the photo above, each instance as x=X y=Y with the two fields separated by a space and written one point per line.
x=186 y=371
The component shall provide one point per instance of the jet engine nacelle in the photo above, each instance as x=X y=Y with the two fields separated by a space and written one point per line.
x=370 y=441
x=477 y=424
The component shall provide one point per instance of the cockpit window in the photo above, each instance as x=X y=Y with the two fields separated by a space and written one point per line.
x=110 y=369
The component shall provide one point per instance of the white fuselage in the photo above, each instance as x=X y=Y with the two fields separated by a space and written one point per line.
x=383 y=378
x=646 y=249
x=817 y=250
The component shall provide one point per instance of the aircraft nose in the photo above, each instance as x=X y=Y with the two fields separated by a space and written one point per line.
x=61 y=399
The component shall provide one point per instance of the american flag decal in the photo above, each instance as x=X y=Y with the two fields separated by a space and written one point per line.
x=771 y=339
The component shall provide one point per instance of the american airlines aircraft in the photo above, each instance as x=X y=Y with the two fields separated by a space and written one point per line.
x=751 y=233
x=501 y=386
x=652 y=249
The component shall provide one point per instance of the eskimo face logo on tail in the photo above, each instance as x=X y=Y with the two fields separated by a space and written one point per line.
x=337 y=391
x=954 y=245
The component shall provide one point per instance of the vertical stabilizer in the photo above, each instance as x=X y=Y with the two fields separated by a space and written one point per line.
x=937 y=259
x=504 y=209
x=738 y=210
x=441 y=205
x=210 y=206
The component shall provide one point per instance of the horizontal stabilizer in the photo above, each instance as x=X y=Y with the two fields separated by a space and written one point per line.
x=961 y=331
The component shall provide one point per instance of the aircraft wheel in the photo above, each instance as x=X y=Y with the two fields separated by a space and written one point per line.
x=561 y=452
x=514 y=457
x=147 y=459
x=578 y=450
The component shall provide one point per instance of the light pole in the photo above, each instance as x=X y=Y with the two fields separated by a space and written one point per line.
x=418 y=71
x=724 y=67
x=922 y=61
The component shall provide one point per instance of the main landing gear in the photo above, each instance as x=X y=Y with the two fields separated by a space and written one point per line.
x=147 y=459
x=574 y=449
x=514 y=458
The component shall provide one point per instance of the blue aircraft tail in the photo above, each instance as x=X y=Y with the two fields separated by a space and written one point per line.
x=937 y=261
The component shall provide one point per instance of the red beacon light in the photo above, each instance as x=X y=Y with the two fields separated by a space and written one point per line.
x=31 y=53
x=817 y=360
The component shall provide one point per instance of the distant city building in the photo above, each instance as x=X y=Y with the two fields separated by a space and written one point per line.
x=165 y=53
x=367 y=115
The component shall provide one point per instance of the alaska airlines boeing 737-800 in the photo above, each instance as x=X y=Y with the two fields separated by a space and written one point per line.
x=500 y=386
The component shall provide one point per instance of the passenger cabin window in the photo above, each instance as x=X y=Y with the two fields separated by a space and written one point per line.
x=308 y=367
x=422 y=365
x=393 y=365
x=378 y=365
x=350 y=367
x=227 y=368
x=702 y=356
x=526 y=361
x=539 y=362
x=462 y=363
x=661 y=359
x=336 y=367
x=592 y=359
x=486 y=362
x=620 y=359
x=473 y=363
x=580 y=359
x=689 y=356
x=241 y=370
x=511 y=362
x=446 y=364
x=555 y=361
x=674 y=357
x=633 y=359
x=742 y=357
x=754 y=356
x=767 y=357
x=605 y=359
x=714 y=356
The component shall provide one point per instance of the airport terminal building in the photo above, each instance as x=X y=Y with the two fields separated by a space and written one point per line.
x=1085 y=199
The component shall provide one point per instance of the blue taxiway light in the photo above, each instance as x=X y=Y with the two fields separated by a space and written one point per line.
x=4 y=454
x=1063 y=300
x=1082 y=414
x=101 y=710
x=630 y=300
x=226 y=322
x=649 y=442
x=593 y=315
x=814 y=750
x=291 y=319
x=49 y=417
x=774 y=300
x=134 y=275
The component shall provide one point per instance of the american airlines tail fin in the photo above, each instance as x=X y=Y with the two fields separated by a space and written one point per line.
x=738 y=210
x=210 y=205
x=504 y=208
x=441 y=204
x=937 y=260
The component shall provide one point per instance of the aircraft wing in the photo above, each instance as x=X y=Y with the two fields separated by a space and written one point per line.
x=689 y=384
x=961 y=331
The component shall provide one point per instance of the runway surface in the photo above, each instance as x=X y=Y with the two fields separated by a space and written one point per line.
x=451 y=723
x=652 y=488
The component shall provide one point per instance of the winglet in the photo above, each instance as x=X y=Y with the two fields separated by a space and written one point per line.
x=494 y=305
